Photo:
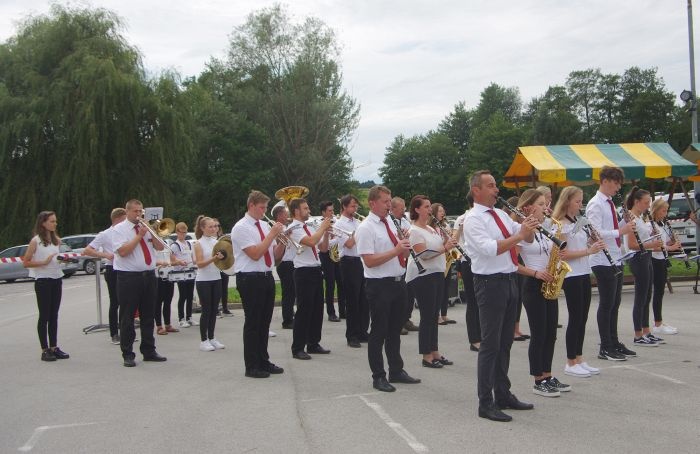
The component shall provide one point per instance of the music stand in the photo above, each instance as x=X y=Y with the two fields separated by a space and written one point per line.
x=99 y=326
x=696 y=259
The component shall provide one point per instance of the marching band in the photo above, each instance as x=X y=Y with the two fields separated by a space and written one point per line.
x=384 y=263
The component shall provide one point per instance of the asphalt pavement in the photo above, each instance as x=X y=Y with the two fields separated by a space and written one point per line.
x=201 y=401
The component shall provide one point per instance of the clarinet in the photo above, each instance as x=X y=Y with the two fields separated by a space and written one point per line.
x=674 y=239
x=655 y=231
x=560 y=243
x=446 y=234
x=629 y=217
x=594 y=237
x=399 y=232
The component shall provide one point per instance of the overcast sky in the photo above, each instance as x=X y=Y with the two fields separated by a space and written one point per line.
x=409 y=62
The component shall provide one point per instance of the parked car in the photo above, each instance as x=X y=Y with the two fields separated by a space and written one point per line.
x=78 y=243
x=12 y=270
x=678 y=217
x=189 y=236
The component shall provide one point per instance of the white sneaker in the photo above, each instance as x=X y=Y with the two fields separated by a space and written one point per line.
x=216 y=344
x=592 y=370
x=271 y=334
x=184 y=324
x=576 y=371
x=664 y=329
x=206 y=346
x=193 y=322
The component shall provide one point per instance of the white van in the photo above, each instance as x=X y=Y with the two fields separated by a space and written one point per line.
x=678 y=216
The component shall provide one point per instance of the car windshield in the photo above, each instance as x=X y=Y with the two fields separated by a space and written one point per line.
x=679 y=208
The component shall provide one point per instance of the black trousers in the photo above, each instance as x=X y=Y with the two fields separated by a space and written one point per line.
x=329 y=279
x=640 y=265
x=257 y=292
x=111 y=280
x=185 y=290
x=497 y=297
x=519 y=308
x=137 y=291
x=387 y=308
x=472 y=317
x=356 y=307
x=48 y=299
x=209 y=296
x=660 y=273
x=285 y=270
x=308 y=320
x=428 y=289
x=543 y=315
x=224 y=291
x=444 y=299
x=166 y=290
x=610 y=295
x=410 y=302
x=577 y=290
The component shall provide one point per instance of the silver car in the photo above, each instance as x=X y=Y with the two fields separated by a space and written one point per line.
x=12 y=268
x=78 y=243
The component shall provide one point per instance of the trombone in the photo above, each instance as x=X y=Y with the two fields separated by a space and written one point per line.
x=159 y=228
x=285 y=237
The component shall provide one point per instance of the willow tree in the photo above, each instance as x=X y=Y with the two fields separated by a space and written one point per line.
x=82 y=129
x=291 y=85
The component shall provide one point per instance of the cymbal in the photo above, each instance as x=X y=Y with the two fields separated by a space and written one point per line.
x=225 y=246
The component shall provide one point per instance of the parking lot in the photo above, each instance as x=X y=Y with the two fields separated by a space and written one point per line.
x=201 y=402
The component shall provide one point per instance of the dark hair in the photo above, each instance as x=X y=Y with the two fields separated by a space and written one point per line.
x=346 y=199
x=470 y=200
x=45 y=236
x=375 y=191
x=434 y=210
x=325 y=204
x=295 y=204
x=635 y=194
x=611 y=173
x=416 y=203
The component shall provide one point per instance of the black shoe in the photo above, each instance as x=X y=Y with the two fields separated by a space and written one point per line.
x=354 y=343
x=434 y=364
x=473 y=348
x=273 y=369
x=257 y=373
x=450 y=321
x=129 y=362
x=301 y=355
x=382 y=385
x=403 y=377
x=621 y=349
x=47 y=355
x=611 y=355
x=116 y=340
x=228 y=313
x=333 y=318
x=155 y=357
x=288 y=325
x=513 y=403
x=494 y=414
x=445 y=362
x=318 y=350
x=410 y=326
x=404 y=331
x=520 y=338
x=60 y=354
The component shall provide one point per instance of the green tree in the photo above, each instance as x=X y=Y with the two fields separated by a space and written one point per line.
x=581 y=87
x=493 y=146
x=646 y=107
x=552 y=119
x=81 y=127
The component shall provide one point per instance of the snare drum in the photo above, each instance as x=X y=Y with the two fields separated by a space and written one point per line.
x=188 y=274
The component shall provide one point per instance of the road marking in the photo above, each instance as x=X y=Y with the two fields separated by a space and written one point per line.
x=400 y=430
x=7 y=321
x=665 y=377
x=624 y=366
x=29 y=445
x=342 y=396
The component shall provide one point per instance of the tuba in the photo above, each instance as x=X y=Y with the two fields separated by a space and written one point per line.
x=556 y=267
x=290 y=193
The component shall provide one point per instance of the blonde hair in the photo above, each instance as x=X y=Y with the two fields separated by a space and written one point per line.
x=656 y=205
x=562 y=205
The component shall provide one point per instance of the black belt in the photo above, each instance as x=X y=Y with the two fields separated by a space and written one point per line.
x=255 y=273
x=391 y=278
x=502 y=276
x=137 y=273
x=349 y=257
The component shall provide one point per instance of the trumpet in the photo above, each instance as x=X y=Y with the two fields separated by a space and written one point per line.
x=359 y=216
x=560 y=243
x=163 y=227
x=285 y=237
x=335 y=231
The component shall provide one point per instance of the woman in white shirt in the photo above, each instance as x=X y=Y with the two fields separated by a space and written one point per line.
x=428 y=286
x=208 y=281
x=184 y=252
x=577 y=284
x=42 y=260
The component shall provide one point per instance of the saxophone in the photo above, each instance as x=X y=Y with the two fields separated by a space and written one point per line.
x=556 y=267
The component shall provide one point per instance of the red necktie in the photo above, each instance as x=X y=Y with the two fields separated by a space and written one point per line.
x=506 y=235
x=615 y=224
x=268 y=259
x=313 y=248
x=144 y=248
x=402 y=259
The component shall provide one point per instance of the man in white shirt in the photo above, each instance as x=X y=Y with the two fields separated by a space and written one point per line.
x=135 y=264
x=356 y=309
x=308 y=281
x=491 y=237
x=331 y=271
x=285 y=270
x=398 y=212
x=601 y=213
x=384 y=258
x=253 y=250
x=102 y=247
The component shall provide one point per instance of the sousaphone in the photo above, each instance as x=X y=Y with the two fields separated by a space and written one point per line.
x=290 y=193
x=225 y=246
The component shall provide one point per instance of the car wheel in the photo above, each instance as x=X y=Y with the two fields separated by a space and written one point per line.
x=10 y=281
x=89 y=266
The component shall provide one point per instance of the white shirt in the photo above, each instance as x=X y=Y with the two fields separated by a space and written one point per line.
x=307 y=257
x=643 y=230
x=104 y=242
x=535 y=255
x=372 y=238
x=183 y=251
x=53 y=269
x=349 y=225
x=599 y=214
x=577 y=242
x=289 y=253
x=432 y=240
x=481 y=234
x=244 y=235
x=459 y=222
x=122 y=234
x=665 y=238
x=209 y=272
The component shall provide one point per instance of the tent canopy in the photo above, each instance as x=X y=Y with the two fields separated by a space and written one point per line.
x=580 y=164
x=692 y=154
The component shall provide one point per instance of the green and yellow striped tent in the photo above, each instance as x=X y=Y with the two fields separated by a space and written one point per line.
x=580 y=164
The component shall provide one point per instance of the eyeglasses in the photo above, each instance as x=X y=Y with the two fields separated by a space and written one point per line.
x=217 y=225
